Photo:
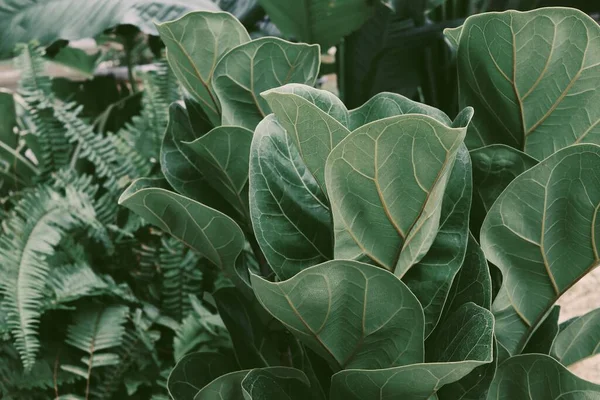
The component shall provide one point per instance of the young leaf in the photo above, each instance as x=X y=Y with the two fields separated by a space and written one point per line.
x=539 y=377
x=465 y=344
x=579 y=340
x=251 y=68
x=193 y=61
x=225 y=151
x=541 y=233
x=353 y=315
x=290 y=214
x=494 y=167
x=386 y=209
x=207 y=231
x=531 y=78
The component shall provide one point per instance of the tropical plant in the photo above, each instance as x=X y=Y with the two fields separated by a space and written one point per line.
x=353 y=268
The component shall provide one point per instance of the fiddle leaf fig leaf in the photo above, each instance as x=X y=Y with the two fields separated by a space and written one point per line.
x=254 y=67
x=494 y=167
x=464 y=344
x=225 y=151
x=195 y=43
x=431 y=279
x=579 y=340
x=207 y=231
x=386 y=209
x=353 y=315
x=539 y=377
x=316 y=120
x=541 y=234
x=532 y=79
x=290 y=213
x=195 y=371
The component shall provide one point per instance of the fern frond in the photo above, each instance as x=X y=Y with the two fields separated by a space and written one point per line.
x=35 y=227
x=96 y=148
x=94 y=330
x=53 y=147
x=201 y=330
x=181 y=277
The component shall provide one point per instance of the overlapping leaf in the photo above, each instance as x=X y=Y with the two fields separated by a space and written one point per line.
x=465 y=344
x=254 y=67
x=541 y=233
x=353 y=315
x=579 y=340
x=290 y=213
x=196 y=370
x=386 y=209
x=195 y=43
x=532 y=77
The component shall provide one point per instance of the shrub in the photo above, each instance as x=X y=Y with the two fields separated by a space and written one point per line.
x=345 y=234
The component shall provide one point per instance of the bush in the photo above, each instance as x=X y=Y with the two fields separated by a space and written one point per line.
x=345 y=234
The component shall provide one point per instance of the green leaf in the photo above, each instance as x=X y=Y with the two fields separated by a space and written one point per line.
x=183 y=168
x=315 y=119
x=196 y=370
x=78 y=60
x=541 y=233
x=49 y=20
x=290 y=214
x=431 y=279
x=494 y=167
x=464 y=344
x=276 y=383
x=472 y=283
x=353 y=315
x=531 y=78
x=225 y=152
x=318 y=21
x=542 y=339
x=193 y=61
x=209 y=232
x=386 y=209
x=539 y=377
x=579 y=340
x=254 y=67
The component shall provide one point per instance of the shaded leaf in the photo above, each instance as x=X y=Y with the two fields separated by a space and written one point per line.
x=353 y=315
x=542 y=339
x=196 y=370
x=290 y=214
x=276 y=383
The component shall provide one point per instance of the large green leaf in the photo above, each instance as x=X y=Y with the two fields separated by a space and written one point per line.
x=290 y=213
x=318 y=121
x=464 y=344
x=318 y=21
x=494 y=167
x=542 y=339
x=431 y=279
x=183 y=168
x=225 y=151
x=539 y=377
x=49 y=20
x=532 y=78
x=315 y=119
x=254 y=67
x=195 y=43
x=196 y=370
x=386 y=209
x=353 y=315
x=541 y=233
x=579 y=340
x=206 y=230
